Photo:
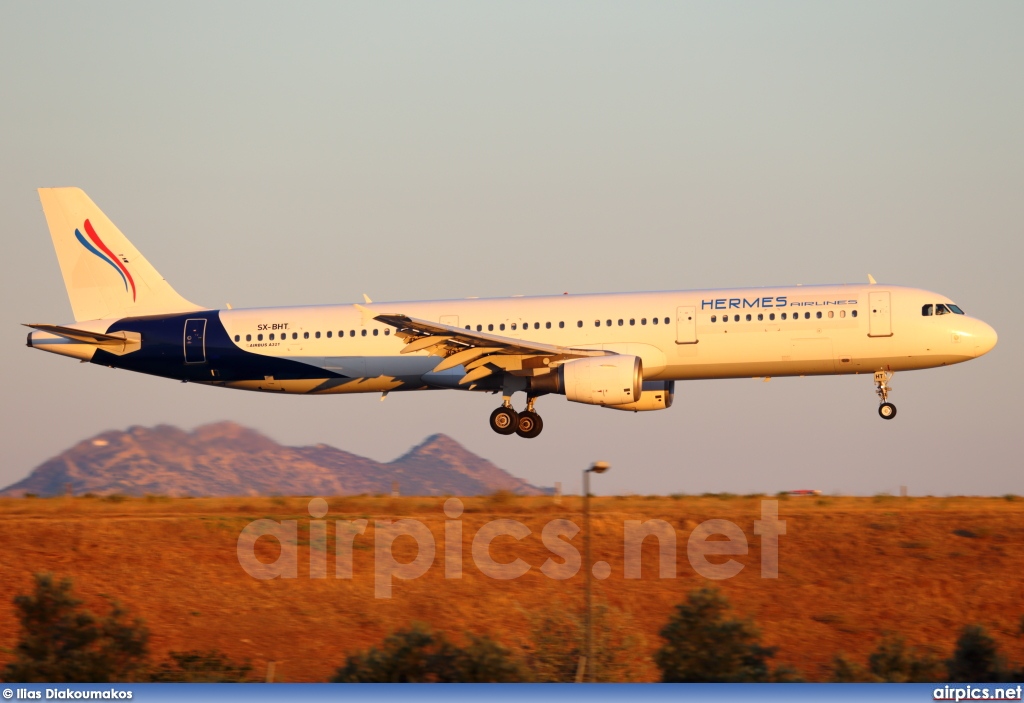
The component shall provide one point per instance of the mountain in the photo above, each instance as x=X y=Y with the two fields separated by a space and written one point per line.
x=225 y=459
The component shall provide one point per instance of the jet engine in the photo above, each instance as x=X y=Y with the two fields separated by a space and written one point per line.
x=596 y=380
x=656 y=395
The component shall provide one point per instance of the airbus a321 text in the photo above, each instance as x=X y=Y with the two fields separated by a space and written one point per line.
x=623 y=351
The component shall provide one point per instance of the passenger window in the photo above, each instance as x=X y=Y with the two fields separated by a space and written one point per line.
x=654 y=320
x=643 y=320
x=854 y=313
x=760 y=316
x=479 y=328
x=305 y=335
x=490 y=328
x=502 y=327
x=783 y=316
x=318 y=334
x=714 y=318
x=807 y=316
x=771 y=316
x=351 y=333
x=927 y=310
x=620 y=323
x=259 y=338
x=831 y=314
x=375 y=330
x=536 y=325
x=579 y=323
x=248 y=337
x=271 y=336
x=597 y=323
x=748 y=317
x=237 y=338
x=513 y=326
x=666 y=320
x=329 y=333
x=561 y=324
x=736 y=318
x=387 y=331
x=362 y=333
x=608 y=323
x=632 y=322
x=547 y=325
x=818 y=315
x=842 y=313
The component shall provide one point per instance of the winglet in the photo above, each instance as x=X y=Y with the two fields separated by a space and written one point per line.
x=366 y=299
x=366 y=313
x=871 y=279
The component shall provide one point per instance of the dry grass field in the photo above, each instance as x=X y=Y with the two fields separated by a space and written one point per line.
x=850 y=569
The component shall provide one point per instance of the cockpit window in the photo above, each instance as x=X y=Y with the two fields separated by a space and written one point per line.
x=941 y=309
x=956 y=309
x=927 y=310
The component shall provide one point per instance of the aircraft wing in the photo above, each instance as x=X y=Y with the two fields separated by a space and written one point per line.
x=480 y=353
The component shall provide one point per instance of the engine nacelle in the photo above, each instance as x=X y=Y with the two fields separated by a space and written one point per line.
x=656 y=395
x=602 y=380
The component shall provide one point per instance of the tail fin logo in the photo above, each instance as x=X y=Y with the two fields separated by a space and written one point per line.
x=96 y=246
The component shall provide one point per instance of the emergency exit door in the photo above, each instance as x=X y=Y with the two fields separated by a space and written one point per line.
x=879 y=316
x=686 y=325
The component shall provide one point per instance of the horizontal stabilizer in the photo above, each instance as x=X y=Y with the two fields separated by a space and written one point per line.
x=85 y=336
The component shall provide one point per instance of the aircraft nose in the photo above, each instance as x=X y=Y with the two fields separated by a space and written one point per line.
x=985 y=339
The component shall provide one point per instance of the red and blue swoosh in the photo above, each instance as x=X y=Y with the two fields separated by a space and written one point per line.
x=96 y=246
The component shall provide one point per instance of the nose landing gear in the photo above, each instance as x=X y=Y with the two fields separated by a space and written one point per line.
x=886 y=410
x=505 y=420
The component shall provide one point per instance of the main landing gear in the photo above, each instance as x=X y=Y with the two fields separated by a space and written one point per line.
x=505 y=420
x=886 y=410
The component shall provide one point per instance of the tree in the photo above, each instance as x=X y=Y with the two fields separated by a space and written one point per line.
x=557 y=640
x=420 y=655
x=63 y=643
x=200 y=667
x=704 y=644
x=977 y=659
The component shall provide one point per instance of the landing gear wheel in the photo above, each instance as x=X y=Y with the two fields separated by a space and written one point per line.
x=529 y=425
x=504 y=420
x=887 y=411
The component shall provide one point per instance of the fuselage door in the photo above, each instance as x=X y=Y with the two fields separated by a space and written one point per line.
x=195 y=341
x=879 y=318
x=686 y=325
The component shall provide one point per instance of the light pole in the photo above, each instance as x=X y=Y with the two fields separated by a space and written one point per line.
x=598 y=467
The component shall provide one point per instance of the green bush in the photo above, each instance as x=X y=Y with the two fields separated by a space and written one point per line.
x=420 y=655
x=893 y=662
x=703 y=643
x=200 y=667
x=63 y=643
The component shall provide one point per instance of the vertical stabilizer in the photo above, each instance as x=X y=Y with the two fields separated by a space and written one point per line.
x=105 y=275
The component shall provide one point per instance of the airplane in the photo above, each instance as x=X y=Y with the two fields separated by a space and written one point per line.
x=623 y=351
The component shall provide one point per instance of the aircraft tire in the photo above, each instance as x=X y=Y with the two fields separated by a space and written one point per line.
x=529 y=425
x=887 y=411
x=504 y=420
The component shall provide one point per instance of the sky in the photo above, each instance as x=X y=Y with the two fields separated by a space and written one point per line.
x=306 y=153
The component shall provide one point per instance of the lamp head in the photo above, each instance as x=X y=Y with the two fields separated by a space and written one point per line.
x=599 y=467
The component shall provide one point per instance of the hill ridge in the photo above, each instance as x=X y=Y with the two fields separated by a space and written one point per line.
x=228 y=459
